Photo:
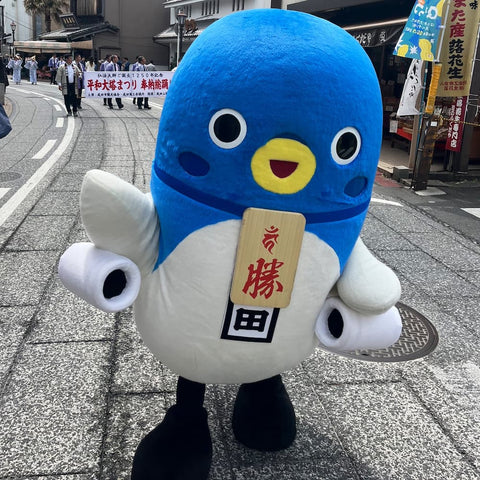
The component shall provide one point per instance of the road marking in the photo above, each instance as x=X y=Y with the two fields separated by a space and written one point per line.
x=60 y=121
x=430 y=191
x=386 y=202
x=472 y=211
x=44 y=150
x=58 y=108
x=3 y=191
x=19 y=196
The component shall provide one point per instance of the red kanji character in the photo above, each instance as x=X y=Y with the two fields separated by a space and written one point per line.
x=151 y=84
x=262 y=279
x=158 y=84
x=98 y=85
x=112 y=84
x=165 y=83
x=127 y=83
x=457 y=30
x=90 y=84
x=458 y=15
x=270 y=238
x=105 y=85
x=120 y=84
x=144 y=84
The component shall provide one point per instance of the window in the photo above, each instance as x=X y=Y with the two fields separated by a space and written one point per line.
x=238 y=5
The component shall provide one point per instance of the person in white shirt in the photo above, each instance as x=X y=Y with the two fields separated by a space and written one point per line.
x=68 y=75
x=114 y=67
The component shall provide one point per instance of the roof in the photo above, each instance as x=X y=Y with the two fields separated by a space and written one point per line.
x=170 y=33
x=83 y=32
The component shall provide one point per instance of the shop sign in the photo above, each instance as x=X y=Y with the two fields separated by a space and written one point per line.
x=458 y=48
x=377 y=37
x=127 y=84
x=420 y=35
x=455 y=126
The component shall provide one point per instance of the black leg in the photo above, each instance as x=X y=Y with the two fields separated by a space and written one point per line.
x=263 y=416
x=180 y=448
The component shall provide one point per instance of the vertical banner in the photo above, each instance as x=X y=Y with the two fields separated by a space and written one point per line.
x=459 y=48
x=420 y=35
x=455 y=126
x=411 y=90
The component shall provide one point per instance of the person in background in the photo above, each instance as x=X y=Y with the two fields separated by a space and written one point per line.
x=150 y=67
x=114 y=67
x=90 y=65
x=126 y=64
x=103 y=66
x=53 y=66
x=16 y=65
x=142 y=102
x=32 y=65
x=134 y=67
x=3 y=74
x=79 y=64
x=67 y=81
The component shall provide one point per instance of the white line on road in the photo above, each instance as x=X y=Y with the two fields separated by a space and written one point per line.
x=58 y=108
x=472 y=211
x=60 y=121
x=44 y=150
x=19 y=196
x=3 y=191
x=386 y=202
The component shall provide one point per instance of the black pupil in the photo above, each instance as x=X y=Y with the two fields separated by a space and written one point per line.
x=227 y=128
x=346 y=145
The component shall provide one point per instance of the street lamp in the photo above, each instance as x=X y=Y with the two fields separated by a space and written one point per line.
x=181 y=16
x=13 y=26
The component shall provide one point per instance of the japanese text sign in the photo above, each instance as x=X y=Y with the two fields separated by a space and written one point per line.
x=455 y=126
x=458 y=48
x=127 y=84
x=420 y=35
x=267 y=258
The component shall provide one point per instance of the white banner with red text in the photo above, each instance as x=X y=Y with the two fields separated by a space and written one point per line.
x=126 y=84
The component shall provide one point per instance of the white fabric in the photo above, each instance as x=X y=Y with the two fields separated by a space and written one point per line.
x=367 y=285
x=70 y=73
x=360 y=331
x=411 y=90
x=83 y=269
x=120 y=218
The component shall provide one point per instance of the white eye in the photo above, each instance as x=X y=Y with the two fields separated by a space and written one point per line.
x=346 y=145
x=227 y=128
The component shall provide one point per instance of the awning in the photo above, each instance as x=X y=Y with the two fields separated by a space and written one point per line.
x=169 y=34
x=40 y=46
x=377 y=34
x=83 y=33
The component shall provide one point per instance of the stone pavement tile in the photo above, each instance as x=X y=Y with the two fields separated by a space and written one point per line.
x=377 y=236
x=136 y=369
x=132 y=417
x=446 y=250
x=14 y=322
x=87 y=476
x=64 y=317
x=78 y=234
x=472 y=277
x=315 y=442
x=53 y=410
x=57 y=203
x=326 y=367
x=451 y=394
x=42 y=233
x=67 y=182
x=125 y=173
x=403 y=219
x=389 y=433
x=82 y=165
x=28 y=273
x=422 y=270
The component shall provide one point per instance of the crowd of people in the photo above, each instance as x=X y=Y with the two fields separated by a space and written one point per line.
x=68 y=73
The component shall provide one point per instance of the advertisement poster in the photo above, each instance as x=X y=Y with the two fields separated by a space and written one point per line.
x=420 y=35
x=455 y=126
x=458 y=48
x=126 y=84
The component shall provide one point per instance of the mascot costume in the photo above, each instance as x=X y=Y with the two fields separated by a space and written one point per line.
x=246 y=254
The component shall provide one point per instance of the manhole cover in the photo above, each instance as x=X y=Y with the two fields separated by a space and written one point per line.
x=418 y=338
x=9 y=176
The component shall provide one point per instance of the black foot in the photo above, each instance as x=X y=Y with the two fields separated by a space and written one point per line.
x=180 y=448
x=263 y=416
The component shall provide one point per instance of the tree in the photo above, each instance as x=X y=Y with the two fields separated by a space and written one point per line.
x=47 y=8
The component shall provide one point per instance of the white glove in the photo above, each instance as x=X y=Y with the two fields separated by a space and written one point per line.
x=339 y=328
x=104 y=279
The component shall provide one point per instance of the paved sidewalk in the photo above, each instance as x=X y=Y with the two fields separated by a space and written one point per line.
x=78 y=388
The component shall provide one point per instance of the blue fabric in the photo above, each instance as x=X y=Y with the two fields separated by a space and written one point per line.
x=290 y=75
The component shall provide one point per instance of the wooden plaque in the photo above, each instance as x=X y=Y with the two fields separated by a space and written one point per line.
x=267 y=258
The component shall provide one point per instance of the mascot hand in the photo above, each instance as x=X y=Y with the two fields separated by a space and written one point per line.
x=339 y=328
x=104 y=279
